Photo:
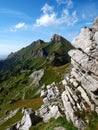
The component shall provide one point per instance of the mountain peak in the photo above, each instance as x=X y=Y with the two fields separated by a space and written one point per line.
x=56 y=38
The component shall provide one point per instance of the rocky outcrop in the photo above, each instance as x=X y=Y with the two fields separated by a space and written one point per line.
x=56 y=38
x=29 y=118
x=77 y=94
x=85 y=60
x=81 y=87
x=37 y=75
x=52 y=103
x=39 y=53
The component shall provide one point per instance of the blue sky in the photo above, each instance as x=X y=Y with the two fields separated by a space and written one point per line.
x=23 y=21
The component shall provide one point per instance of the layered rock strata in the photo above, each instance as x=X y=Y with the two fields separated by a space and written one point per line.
x=81 y=87
x=79 y=93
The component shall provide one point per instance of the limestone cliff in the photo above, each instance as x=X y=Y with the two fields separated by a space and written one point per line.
x=78 y=92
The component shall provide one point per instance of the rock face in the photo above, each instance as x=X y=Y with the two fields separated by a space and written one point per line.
x=56 y=38
x=52 y=103
x=39 y=53
x=26 y=122
x=37 y=75
x=29 y=118
x=79 y=93
x=85 y=60
x=81 y=87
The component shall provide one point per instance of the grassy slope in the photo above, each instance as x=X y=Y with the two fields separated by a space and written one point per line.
x=11 y=121
x=14 y=88
x=93 y=124
x=32 y=103
x=20 y=82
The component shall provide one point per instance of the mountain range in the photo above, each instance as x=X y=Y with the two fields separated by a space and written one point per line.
x=17 y=67
x=35 y=56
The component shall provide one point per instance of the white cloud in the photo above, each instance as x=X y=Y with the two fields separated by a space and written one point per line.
x=69 y=3
x=46 y=20
x=68 y=18
x=50 y=18
x=18 y=26
x=47 y=8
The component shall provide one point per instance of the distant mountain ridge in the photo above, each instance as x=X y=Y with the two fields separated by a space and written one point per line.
x=36 y=55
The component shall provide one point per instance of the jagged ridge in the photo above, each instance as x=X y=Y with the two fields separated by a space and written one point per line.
x=36 y=55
